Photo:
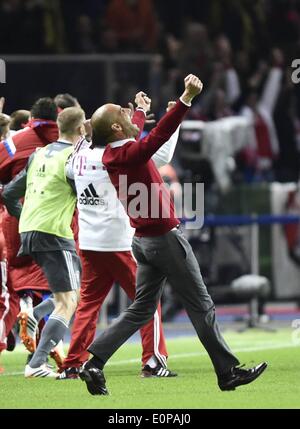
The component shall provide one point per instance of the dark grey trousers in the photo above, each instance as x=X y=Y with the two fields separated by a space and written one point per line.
x=168 y=256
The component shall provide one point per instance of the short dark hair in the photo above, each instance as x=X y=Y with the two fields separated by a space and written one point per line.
x=44 y=108
x=66 y=100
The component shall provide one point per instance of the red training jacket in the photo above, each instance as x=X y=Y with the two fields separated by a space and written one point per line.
x=132 y=159
x=23 y=273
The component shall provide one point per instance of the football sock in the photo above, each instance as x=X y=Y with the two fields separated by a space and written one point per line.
x=52 y=333
x=152 y=362
x=43 y=309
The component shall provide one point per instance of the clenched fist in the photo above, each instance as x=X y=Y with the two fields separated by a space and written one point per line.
x=171 y=105
x=193 y=87
x=142 y=101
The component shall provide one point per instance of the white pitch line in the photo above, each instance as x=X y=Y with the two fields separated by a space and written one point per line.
x=186 y=355
x=194 y=354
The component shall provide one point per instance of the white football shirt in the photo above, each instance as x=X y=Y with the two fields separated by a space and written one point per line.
x=103 y=223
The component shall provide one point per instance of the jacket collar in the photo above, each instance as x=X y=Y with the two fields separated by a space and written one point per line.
x=64 y=141
x=120 y=143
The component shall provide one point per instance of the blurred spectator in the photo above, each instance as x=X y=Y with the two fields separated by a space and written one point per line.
x=108 y=41
x=223 y=88
x=260 y=112
x=28 y=18
x=196 y=53
x=63 y=101
x=84 y=29
x=171 y=13
x=54 y=37
x=287 y=127
x=292 y=230
x=243 y=69
x=219 y=107
x=134 y=22
x=230 y=78
x=284 y=23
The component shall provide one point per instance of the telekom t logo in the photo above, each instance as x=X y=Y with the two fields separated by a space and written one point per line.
x=2 y=71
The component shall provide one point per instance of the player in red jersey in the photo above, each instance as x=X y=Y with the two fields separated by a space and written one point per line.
x=23 y=275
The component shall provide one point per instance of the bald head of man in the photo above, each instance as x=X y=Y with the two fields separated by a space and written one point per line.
x=112 y=122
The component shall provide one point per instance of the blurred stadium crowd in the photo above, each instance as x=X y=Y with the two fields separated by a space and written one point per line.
x=242 y=50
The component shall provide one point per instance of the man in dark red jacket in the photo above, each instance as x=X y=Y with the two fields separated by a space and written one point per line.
x=23 y=273
x=160 y=248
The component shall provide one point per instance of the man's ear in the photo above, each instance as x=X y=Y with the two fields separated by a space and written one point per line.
x=81 y=130
x=116 y=127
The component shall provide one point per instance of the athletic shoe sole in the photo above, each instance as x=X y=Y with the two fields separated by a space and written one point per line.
x=27 y=340
x=41 y=372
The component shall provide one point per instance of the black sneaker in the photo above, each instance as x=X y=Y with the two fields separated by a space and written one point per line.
x=238 y=376
x=94 y=378
x=71 y=373
x=158 y=371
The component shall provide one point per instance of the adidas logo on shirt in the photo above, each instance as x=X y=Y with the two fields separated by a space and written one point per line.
x=90 y=197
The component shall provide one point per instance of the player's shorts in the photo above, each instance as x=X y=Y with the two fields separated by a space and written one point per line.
x=62 y=268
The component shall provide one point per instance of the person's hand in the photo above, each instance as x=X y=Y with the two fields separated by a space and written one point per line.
x=150 y=117
x=193 y=87
x=142 y=101
x=2 y=102
x=171 y=105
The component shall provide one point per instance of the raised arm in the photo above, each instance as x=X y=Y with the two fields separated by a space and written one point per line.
x=143 y=105
x=271 y=90
x=140 y=152
x=165 y=153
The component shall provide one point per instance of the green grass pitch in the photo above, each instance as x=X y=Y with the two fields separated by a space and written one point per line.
x=194 y=388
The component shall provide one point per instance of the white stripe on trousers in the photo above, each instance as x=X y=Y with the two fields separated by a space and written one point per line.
x=156 y=327
x=71 y=271
x=4 y=295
